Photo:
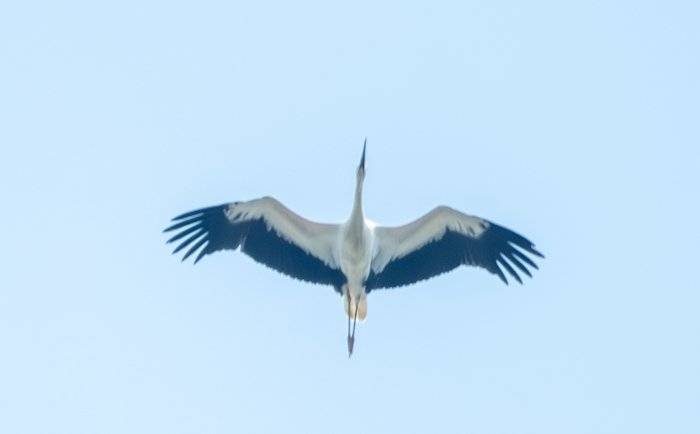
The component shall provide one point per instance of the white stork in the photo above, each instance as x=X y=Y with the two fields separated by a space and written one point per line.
x=358 y=256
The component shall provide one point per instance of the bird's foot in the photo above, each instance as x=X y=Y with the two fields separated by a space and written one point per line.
x=351 y=344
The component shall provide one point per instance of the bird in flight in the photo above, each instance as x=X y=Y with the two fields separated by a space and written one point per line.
x=358 y=256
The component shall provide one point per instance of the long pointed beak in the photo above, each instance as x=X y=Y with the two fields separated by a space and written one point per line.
x=362 y=161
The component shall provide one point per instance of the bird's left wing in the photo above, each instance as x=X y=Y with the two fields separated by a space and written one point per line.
x=441 y=241
x=268 y=232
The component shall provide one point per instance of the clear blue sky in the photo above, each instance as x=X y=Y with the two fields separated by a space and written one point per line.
x=574 y=123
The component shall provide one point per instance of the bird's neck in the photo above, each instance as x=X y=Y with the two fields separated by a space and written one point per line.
x=357 y=217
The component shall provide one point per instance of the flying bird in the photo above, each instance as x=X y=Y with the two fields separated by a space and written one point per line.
x=358 y=256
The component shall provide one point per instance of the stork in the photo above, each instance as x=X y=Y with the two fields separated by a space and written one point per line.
x=358 y=256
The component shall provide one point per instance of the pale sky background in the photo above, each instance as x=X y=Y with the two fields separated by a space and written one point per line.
x=574 y=123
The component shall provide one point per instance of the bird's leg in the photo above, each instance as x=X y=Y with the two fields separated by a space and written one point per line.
x=351 y=338
x=348 y=301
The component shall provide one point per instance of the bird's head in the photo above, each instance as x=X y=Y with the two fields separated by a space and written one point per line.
x=361 y=168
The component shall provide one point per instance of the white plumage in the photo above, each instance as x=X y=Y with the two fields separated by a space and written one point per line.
x=357 y=256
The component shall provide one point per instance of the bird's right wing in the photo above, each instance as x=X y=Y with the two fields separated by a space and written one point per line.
x=441 y=241
x=268 y=232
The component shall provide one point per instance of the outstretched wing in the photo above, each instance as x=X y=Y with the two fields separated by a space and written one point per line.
x=441 y=241
x=268 y=232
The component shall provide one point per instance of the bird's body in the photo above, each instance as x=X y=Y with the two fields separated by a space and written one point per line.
x=357 y=256
x=354 y=257
x=355 y=249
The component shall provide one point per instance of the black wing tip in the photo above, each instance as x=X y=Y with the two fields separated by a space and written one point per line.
x=200 y=256
x=497 y=271
x=193 y=216
x=513 y=249
x=515 y=238
x=198 y=211
x=196 y=226
x=192 y=213
x=510 y=269
x=535 y=252
x=170 y=228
